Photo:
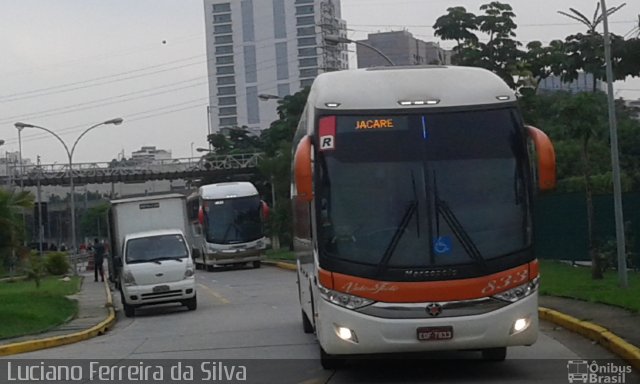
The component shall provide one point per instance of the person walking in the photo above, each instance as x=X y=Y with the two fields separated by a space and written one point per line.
x=98 y=259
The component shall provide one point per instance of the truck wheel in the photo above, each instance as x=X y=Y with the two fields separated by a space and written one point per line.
x=208 y=267
x=330 y=361
x=256 y=264
x=494 y=354
x=192 y=303
x=129 y=310
x=306 y=323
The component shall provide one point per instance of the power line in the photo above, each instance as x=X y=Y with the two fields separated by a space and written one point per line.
x=64 y=88
x=519 y=25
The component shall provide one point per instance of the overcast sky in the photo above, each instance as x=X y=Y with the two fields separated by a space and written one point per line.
x=69 y=64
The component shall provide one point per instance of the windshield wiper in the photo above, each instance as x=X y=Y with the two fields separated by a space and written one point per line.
x=158 y=259
x=143 y=261
x=457 y=228
x=397 y=235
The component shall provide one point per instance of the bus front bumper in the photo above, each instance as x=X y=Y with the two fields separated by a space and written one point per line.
x=379 y=335
x=221 y=258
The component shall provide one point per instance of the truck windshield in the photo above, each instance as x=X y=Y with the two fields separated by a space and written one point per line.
x=155 y=248
x=429 y=190
x=233 y=221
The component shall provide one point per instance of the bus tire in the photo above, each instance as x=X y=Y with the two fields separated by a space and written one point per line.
x=494 y=354
x=306 y=323
x=257 y=264
x=330 y=362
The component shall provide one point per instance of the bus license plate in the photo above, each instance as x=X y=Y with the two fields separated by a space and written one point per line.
x=160 y=288
x=435 y=333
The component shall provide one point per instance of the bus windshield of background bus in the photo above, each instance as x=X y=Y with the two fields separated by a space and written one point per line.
x=232 y=221
x=424 y=190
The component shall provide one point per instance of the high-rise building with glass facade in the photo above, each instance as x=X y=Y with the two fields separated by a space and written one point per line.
x=266 y=47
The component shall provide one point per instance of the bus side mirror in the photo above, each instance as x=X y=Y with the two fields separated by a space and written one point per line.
x=303 y=172
x=265 y=210
x=200 y=216
x=546 y=155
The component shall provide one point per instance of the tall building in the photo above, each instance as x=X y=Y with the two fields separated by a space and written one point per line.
x=266 y=47
x=401 y=47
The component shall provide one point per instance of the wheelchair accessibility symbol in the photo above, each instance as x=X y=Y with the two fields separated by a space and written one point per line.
x=442 y=245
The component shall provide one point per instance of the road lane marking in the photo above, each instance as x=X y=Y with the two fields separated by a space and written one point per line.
x=218 y=296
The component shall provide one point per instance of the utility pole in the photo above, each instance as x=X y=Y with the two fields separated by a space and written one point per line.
x=39 y=197
x=615 y=158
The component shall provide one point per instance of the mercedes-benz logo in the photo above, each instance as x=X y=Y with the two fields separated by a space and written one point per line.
x=434 y=309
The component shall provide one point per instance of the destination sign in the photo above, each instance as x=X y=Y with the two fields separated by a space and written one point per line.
x=371 y=123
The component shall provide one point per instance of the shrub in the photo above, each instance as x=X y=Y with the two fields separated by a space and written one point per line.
x=35 y=269
x=57 y=263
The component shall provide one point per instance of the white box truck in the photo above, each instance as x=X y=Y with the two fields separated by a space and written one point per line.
x=151 y=259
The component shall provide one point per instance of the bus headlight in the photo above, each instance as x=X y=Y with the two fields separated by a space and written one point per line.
x=519 y=292
x=343 y=299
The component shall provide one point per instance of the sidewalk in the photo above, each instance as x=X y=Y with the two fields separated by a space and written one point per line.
x=95 y=316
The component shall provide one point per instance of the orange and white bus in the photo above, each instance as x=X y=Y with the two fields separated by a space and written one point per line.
x=412 y=199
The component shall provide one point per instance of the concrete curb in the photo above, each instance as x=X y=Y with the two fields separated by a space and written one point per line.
x=50 y=342
x=283 y=265
x=595 y=332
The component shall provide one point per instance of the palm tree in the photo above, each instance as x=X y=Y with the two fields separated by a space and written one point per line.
x=586 y=50
x=12 y=205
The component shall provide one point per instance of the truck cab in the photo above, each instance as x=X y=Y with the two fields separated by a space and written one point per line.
x=156 y=267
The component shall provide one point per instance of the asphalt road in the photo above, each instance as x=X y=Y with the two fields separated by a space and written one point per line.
x=252 y=317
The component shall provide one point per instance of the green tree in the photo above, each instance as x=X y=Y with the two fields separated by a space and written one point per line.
x=585 y=52
x=234 y=140
x=275 y=165
x=94 y=221
x=457 y=25
x=543 y=61
x=499 y=54
x=12 y=205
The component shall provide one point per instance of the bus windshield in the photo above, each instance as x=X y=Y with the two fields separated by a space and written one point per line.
x=233 y=221
x=419 y=191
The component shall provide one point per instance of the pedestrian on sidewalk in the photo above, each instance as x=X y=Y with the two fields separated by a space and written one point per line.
x=98 y=259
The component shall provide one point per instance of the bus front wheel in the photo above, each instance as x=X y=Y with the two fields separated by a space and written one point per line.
x=494 y=354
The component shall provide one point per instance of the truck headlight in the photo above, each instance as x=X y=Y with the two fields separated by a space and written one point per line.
x=127 y=278
x=343 y=299
x=519 y=292
x=189 y=273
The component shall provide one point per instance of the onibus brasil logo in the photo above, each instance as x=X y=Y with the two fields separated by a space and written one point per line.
x=583 y=371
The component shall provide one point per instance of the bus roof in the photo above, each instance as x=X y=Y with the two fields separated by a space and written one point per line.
x=227 y=190
x=386 y=87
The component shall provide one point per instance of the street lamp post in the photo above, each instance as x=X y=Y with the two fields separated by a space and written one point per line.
x=335 y=39
x=20 y=156
x=21 y=126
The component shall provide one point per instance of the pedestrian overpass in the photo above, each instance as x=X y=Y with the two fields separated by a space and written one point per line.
x=217 y=167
